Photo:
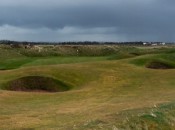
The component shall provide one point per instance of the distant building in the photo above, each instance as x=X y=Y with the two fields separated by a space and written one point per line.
x=163 y=43
x=154 y=44
x=144 y=43
x=147 y=43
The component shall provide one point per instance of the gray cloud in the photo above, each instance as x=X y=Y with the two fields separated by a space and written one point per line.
x=109 y=20
x=65 y=34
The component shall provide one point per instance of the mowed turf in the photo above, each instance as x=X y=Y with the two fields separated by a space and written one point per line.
x=102 y=92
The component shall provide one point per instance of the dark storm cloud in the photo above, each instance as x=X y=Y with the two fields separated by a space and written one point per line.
x=110 y=20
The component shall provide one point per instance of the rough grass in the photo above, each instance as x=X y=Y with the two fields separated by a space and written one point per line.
x=106 y=94
x=154 y=118
x=67 y=50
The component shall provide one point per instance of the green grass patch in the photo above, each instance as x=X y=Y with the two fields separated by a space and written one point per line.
x=36 y=61
x=63 y=60
x=14 y=63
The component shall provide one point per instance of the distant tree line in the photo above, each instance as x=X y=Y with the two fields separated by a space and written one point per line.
x=137 y=43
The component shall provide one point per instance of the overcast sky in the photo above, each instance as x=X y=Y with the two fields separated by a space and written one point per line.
x=87 y=20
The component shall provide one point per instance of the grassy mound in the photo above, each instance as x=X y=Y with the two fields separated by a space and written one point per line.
x=155 y=61
x=36 y=83
x=158 y=64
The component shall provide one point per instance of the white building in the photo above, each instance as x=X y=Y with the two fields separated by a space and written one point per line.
x=163 y=43
x=144 y=43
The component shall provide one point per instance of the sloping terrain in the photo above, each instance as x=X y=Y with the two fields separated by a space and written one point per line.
x=105 y=92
